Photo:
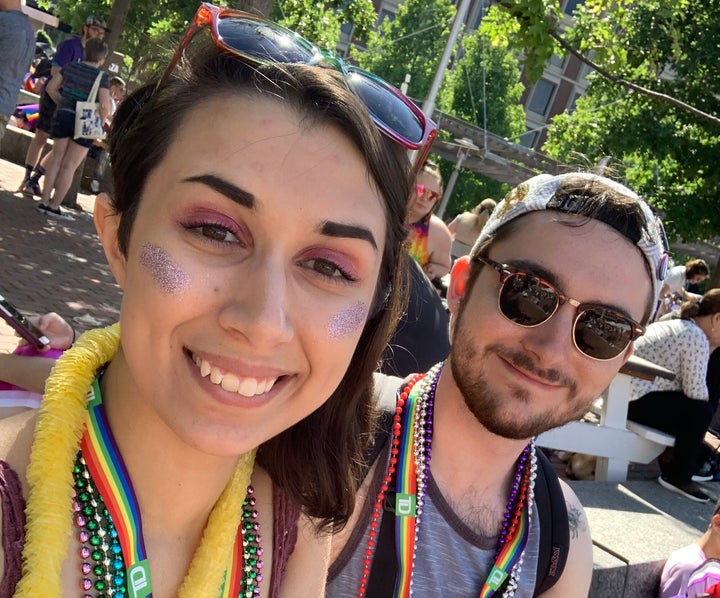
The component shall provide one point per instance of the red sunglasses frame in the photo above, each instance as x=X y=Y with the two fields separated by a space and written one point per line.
x=208 y=15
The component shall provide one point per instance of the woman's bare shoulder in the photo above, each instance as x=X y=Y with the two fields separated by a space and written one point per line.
x=16 y=434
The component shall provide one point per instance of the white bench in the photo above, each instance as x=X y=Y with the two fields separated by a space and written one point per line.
x=615 y=441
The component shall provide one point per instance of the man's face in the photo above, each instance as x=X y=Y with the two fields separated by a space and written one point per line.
x=519 y=381
x=94 y=31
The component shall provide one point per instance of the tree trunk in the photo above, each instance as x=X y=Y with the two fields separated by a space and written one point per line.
x=714 y=281
x=116 y=22
x=257 y=7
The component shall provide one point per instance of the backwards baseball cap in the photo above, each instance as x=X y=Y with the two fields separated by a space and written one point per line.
x=93 y=21
x=539 y=193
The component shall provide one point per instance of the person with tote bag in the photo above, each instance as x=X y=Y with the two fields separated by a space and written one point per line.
x=78 y=84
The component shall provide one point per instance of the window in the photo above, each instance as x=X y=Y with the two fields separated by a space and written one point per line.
x=557 y=61
x=541 y=96
x=571 y=5
x=528 y=139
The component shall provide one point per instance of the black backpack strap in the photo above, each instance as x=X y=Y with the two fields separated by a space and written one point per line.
x=554 y=529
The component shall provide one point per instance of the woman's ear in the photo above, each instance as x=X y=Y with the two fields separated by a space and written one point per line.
x=458 y=283
x=106 y=225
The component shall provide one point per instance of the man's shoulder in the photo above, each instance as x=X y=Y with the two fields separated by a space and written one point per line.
x=71 y=50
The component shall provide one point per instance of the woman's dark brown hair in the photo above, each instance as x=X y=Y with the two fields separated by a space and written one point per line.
x=317 y=461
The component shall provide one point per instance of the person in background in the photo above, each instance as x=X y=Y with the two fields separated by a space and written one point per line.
x=17 y=46
x=71 y=50
x=466 y=227
x=72 y=85
x=429 y=239
x=681 y=563
x=118 y=90
x=677 y=279
x=679 y=407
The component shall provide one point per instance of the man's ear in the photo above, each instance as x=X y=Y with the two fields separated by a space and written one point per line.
x=458 y=283
x=106 y=225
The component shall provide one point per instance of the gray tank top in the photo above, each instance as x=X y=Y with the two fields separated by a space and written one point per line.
x=450 y=557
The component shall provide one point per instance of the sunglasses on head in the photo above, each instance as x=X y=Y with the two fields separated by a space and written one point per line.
x=422 y=190
x=258 y=41
x=599 y=332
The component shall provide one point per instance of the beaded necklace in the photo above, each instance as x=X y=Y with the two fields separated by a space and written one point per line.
x=410 y=457
x=51 y=477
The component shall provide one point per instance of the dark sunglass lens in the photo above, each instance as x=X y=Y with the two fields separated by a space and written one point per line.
x=526 y=300
x=264 y=41
x=602 y=333
x=386 y=107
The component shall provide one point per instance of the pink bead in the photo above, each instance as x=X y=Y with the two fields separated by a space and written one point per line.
x=86 y=585
x=85 y=552
x=86 y=568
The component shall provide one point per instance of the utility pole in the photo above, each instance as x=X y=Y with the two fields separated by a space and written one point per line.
x=429 y=104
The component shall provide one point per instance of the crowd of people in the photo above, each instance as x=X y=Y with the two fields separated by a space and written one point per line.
x=227 y=438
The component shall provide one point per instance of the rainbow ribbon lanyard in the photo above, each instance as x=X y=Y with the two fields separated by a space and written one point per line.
x=406 y=522
x=108 y=471
x=510 y=553
x=406 y=497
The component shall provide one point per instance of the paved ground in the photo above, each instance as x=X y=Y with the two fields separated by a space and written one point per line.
x=51 y=265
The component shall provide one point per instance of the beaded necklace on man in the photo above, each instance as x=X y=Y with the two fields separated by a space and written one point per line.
x=112 y=564
x=409 y=463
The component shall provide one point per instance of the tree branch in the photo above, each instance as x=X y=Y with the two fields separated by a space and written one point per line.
x=634 y=86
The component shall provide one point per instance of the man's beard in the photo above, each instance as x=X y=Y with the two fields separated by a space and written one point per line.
x=519 y=420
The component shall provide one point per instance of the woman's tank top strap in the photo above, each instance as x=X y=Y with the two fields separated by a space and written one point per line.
x=286 y=514
x=13 y=528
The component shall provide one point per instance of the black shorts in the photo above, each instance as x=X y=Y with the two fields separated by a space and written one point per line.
x=64 y=126
x=46 y=113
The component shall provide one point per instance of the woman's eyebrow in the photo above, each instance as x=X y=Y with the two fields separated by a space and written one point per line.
x=337 y=229
x=226 y=188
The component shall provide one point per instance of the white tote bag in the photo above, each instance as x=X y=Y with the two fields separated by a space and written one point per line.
x=88 y=123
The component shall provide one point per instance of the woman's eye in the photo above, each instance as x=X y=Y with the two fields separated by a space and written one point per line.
x=326 y=268
x=216 y=233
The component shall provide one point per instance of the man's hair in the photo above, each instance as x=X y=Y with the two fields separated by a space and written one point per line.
x=695 y=268
x=593 y=200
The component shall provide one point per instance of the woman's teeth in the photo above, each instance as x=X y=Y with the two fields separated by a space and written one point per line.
x=247 y=387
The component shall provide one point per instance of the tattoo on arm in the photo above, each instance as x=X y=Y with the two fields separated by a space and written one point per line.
x=576 y=521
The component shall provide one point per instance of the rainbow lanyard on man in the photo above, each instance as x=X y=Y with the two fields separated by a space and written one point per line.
x=413 y=456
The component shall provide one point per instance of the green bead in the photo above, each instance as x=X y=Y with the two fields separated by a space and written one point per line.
x=95 y=541
x=98 y=570
x=97 y=555
x=100 y=585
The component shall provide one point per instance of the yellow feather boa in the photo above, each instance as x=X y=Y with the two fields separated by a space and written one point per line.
x=60 y=425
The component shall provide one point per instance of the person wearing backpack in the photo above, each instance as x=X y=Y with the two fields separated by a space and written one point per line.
x=72 y=85
x=458 y=501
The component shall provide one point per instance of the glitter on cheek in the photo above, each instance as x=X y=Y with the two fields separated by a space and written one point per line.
x=171 y=277
x=348 y=320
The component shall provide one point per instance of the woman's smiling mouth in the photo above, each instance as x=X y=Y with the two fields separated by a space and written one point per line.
x=243 y=385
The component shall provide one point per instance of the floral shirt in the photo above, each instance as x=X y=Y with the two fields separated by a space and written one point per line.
x=681 y=347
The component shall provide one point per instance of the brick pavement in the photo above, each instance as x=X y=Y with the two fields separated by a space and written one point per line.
x=51 y=265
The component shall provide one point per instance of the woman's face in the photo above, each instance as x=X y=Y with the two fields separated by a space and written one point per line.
x=251 y=268
x=426 y=194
